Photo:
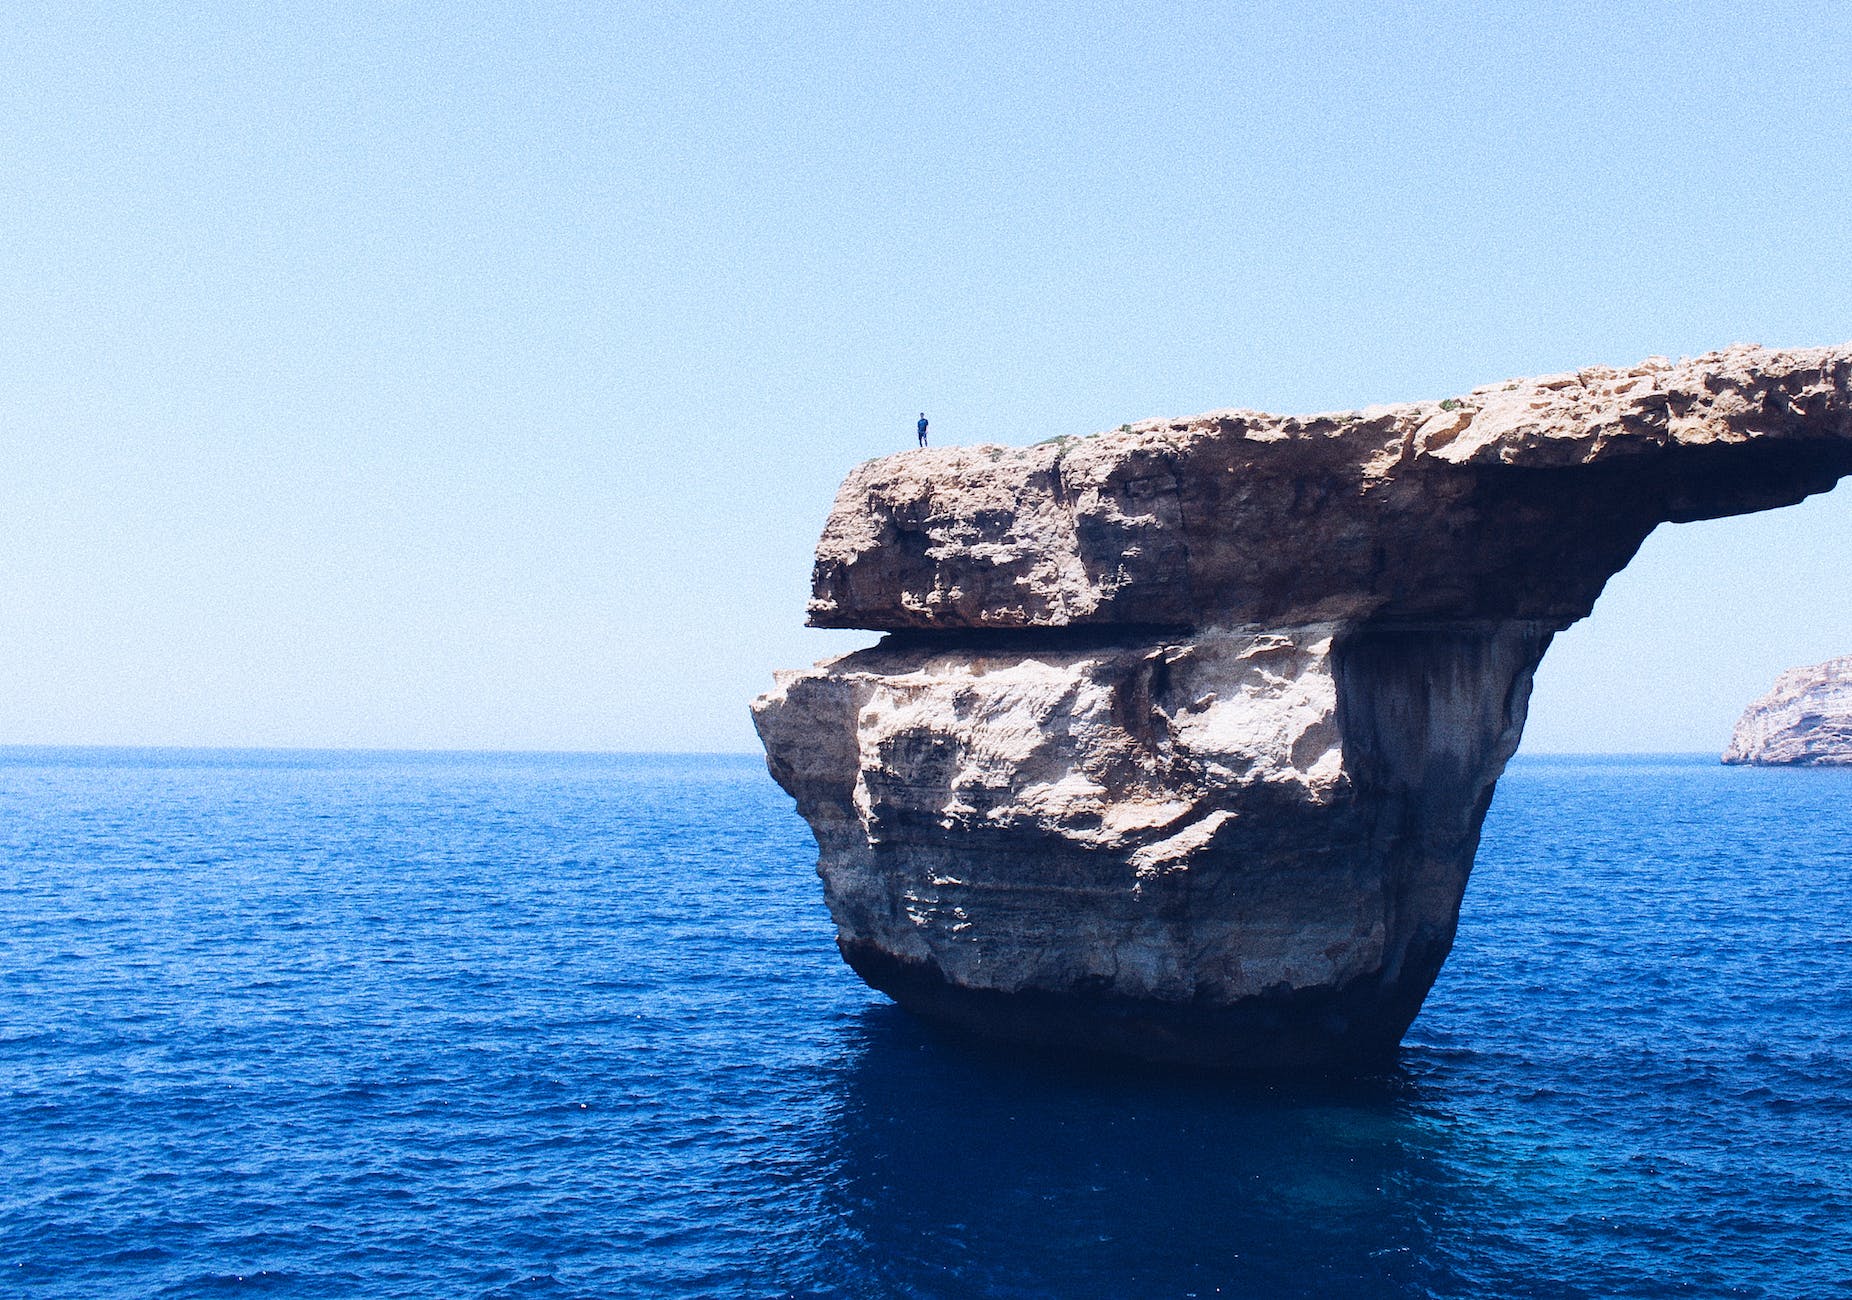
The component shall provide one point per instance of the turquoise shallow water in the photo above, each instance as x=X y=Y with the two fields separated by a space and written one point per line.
x=446 y=1025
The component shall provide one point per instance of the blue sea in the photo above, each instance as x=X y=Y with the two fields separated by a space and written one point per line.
x=379 y=1025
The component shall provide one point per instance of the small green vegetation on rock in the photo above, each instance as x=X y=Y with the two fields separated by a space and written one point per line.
x=1451 y=404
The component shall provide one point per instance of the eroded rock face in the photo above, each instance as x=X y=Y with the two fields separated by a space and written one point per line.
x=1183 y=735
x=1805 y=721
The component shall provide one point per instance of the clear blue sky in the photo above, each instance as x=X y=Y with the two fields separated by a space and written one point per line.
x=479 y=376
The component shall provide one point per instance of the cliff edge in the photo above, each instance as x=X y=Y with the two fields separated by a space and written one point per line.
x=1805 y=721
x=1182 y=735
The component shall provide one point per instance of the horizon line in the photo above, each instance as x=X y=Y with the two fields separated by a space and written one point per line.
x=11 y=747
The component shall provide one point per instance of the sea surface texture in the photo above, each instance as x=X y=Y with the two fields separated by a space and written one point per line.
x=457 y=1026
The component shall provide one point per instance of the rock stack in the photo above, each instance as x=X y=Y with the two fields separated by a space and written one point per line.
x=1181 y=737
x=1805 y=721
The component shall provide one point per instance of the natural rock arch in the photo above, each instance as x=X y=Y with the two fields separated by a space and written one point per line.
x=1182 y=737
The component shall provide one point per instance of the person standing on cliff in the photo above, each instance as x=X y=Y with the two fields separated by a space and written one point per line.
x=922 y=428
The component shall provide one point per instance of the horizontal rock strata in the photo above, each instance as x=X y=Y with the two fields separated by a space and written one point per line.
x=1805 y=721
x=1182 y=737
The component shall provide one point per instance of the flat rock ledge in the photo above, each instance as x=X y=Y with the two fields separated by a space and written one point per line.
x=1805 y=721
x=1181 y=738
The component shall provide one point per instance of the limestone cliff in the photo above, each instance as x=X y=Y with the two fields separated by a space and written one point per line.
x=1182 y=737
x=1805 y=721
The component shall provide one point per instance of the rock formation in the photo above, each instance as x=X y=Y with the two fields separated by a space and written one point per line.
x=1806 y=721
x=1181 y=738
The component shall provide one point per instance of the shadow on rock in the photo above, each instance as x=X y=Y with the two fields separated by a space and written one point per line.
x=964 y=1170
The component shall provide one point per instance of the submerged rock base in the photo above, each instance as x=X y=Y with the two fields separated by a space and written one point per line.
x=1182 y=738
x=1357 y=1026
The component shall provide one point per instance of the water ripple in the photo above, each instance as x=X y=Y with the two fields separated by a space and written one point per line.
x=441 y=1025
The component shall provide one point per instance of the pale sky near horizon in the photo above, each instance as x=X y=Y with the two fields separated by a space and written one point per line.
x=471 y=376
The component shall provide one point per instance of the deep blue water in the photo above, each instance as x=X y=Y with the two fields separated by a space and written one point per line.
x=452 y=1026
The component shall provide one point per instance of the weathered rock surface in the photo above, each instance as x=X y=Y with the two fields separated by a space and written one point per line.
x=1183 y=735
x=1805 y=721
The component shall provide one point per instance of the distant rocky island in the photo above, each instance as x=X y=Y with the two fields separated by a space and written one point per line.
x=1181 y=737
x=1805 y=721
